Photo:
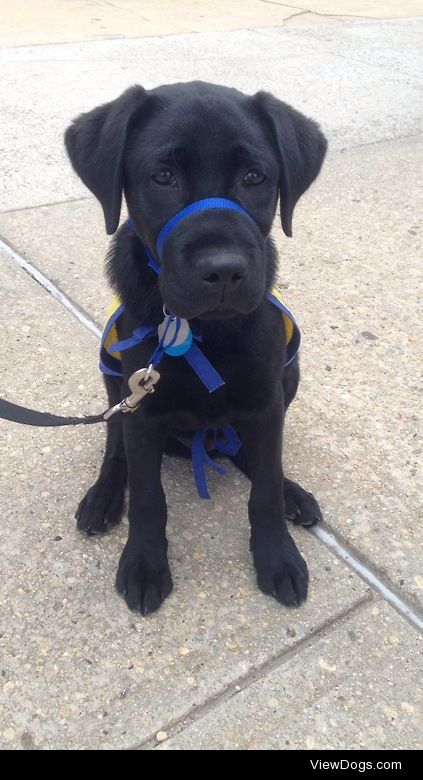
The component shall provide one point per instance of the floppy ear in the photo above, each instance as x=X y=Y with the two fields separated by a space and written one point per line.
x=301 y=148
x=95 y=143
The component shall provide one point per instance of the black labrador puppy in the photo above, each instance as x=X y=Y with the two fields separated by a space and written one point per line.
x=164 y=149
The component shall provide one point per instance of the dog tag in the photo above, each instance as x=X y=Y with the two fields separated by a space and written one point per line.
x=175 y=335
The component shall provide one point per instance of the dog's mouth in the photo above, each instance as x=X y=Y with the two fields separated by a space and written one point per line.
x=220 y=313
x=217 y=313
x=189 y=309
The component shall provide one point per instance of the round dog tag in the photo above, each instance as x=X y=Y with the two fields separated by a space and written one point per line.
x=176 y=334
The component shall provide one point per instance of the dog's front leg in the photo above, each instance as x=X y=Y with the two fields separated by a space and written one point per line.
x=281 y=570
x=143 y=576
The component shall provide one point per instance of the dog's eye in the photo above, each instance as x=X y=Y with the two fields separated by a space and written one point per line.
x=164 y=176
x=254 y=177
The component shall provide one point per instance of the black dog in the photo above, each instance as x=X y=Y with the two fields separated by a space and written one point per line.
x=164 y=149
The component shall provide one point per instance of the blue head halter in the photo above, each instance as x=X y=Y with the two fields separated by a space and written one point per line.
x=193 y=208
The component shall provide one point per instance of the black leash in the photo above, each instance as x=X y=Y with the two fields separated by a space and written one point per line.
x=25 y=416
x=141 y=383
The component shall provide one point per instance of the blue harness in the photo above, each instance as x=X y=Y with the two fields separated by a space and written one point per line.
x=225 y=439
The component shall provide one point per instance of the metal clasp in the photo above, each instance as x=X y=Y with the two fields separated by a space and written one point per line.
x=141 y=383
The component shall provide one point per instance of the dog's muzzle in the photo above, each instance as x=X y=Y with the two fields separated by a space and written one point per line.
x=233 y=270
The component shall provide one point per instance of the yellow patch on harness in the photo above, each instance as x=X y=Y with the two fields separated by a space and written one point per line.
x=289 y=325
x=112 y=335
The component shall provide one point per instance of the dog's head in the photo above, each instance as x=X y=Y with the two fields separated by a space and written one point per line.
x=176 y=145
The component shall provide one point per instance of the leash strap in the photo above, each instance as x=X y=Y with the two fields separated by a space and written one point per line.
x=24 y=416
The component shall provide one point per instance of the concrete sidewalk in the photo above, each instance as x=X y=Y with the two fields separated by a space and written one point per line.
x=237 y=671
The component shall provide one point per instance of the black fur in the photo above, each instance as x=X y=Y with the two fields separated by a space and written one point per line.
x=163 y=149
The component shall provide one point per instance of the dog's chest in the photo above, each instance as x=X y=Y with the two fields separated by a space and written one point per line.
x=250 y=385
x=249 y=361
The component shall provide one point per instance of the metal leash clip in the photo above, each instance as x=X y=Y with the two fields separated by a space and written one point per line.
x=141 y=383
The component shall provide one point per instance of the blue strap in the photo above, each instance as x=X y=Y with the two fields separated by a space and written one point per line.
x=107 y=370
x=115 y=316
x=200 y=459
x=194 y=356
x=193 y=208
x=160 y=349
x=108 y=363
x=230 y=443
x=138 y=336
x=279 y=305
x=203 y=368
x=294 y=344
x=152 y=263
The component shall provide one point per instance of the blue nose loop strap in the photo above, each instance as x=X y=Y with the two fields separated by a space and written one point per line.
x=194 y=208
x=199 y=205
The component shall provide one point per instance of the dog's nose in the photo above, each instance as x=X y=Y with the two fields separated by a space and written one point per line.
x=219 y=271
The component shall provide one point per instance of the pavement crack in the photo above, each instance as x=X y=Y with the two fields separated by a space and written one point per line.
x=196 y=713
x=364 y=570
x=299 y=11
x=388 y=140
x=46 y=205
x=119 y=8
x=317 y=13
x=51 y=288
x=293 y=16
x=283 y=5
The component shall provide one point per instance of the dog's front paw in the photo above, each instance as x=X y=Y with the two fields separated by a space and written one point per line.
x=101 y=508
x=143 y=580
x=281 y=570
